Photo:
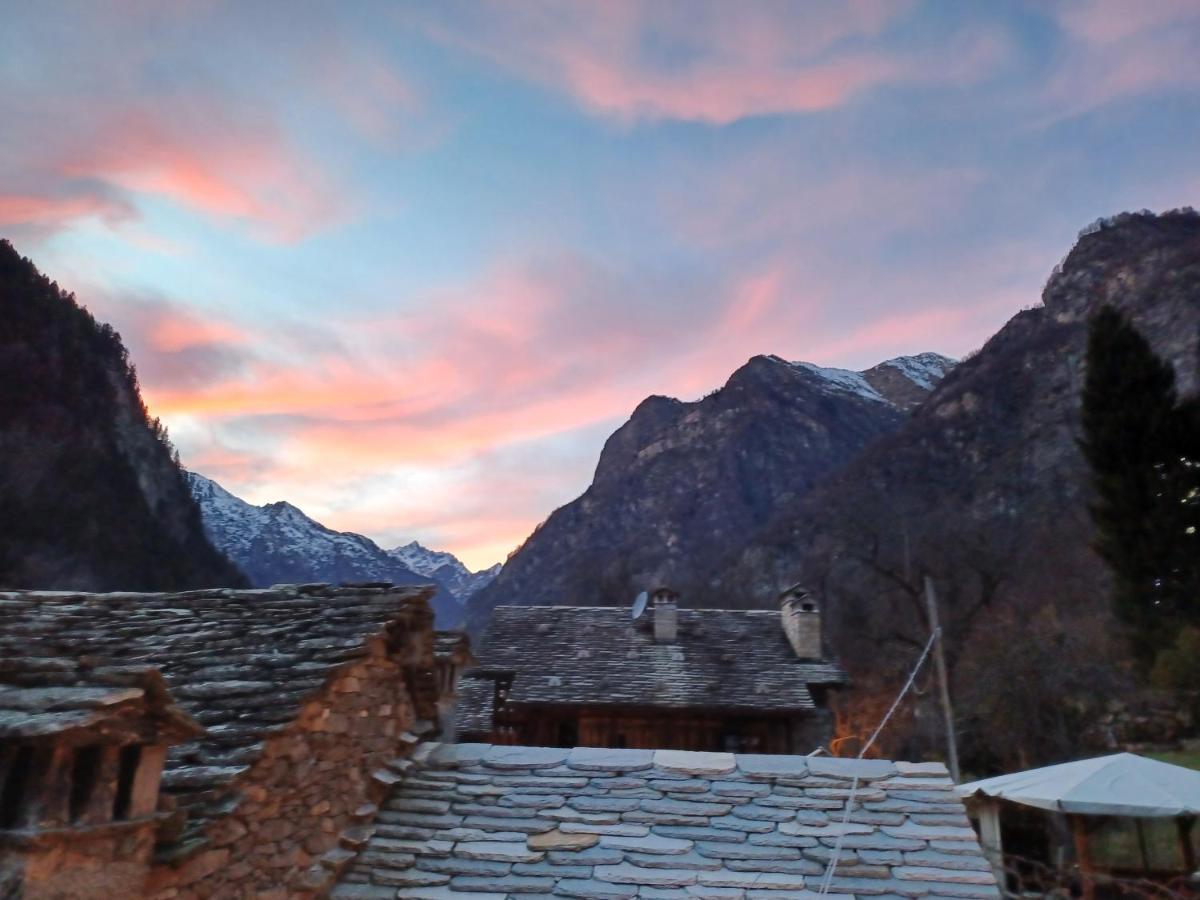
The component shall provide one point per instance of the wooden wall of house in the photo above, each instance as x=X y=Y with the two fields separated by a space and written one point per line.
x=654 y=730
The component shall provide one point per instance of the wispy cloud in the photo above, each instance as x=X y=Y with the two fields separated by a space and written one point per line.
x=705 y=62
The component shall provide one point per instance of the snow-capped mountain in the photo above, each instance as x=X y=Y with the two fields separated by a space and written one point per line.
x=445 y=568
x=902 y=382
x=277 y=543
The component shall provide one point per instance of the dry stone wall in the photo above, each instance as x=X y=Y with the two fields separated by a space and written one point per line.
x=300 y=803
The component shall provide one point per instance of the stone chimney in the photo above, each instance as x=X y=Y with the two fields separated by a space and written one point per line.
x=666 y=616
x=801 y=621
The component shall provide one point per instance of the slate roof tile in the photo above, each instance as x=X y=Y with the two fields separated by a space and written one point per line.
x=723 y=659
x=238 y=662
x=771 y=857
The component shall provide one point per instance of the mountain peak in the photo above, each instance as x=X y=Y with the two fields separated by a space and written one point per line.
x=278 y=542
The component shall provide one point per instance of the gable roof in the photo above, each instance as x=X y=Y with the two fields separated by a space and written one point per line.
x=239 y=662
x=723 y=659
x=483 y=822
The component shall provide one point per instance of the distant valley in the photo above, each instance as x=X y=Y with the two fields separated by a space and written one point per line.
x=277 y=542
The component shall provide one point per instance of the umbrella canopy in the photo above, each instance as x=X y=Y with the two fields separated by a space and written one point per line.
x=1119 y=785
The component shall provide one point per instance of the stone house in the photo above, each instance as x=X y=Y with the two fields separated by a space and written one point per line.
x=687 y=679
x=225 y=743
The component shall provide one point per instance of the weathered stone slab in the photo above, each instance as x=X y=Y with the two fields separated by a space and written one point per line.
x=629 y=874
x=592 y=889
x=862 y=769
x=596 y=759
x=559 y=840
x=927 y=769
x=604 y=804
x=502 y=757
x=496 y=851
x=573 y=814
x=942 y=860
x=829 y=829
x=622 y=829
x=695 y=763
x=408 y=877
x=506 y=884
x=930 y=832
x=763 y=813
x=699 y=833
x=498 y=823
x=446 y=893
x=685 y=808
x=593 y=856
x=690 y=860
x=650 y=843
x=679 y=785
x=452 y=755
x=737 y=823
x=958 y=876
x=517 y=799
x=766 y=766
x=746 y=851
x=740 y=789
x=456 y=865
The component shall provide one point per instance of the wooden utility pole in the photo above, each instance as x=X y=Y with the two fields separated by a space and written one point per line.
x=939 y=657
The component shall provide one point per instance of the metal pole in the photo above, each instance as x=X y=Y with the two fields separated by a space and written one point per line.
x=939 y=658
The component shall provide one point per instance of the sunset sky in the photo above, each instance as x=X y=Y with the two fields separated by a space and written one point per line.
x=407 y=265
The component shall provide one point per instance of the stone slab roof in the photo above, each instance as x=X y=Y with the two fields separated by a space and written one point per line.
x=452 y=645
x=239 y=662
x=484 y=822
x=723 y=659
x=475 y=707
x=84 y=704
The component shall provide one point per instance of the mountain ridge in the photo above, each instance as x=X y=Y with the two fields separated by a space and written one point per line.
x=91 y=492
x=679 y=480
x=278 y=542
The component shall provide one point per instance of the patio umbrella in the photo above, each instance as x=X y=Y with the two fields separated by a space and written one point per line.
x=1123 y=784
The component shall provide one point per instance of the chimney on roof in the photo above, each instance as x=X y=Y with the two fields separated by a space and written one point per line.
x=666 y=616
x=801 y=621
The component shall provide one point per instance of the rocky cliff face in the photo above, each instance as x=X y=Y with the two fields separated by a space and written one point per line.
x=90 y=495
x=991 y=456
x=984 y=489
x=680 y=483
x=276 y=543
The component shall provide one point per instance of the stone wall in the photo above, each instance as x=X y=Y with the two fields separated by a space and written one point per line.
x=304 y=802
x=66 y=864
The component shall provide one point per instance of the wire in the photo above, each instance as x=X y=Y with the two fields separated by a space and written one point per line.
x=827 y=880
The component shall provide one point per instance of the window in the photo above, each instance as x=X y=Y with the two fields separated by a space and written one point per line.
x=131 y=755
x=12 y=797
x=85 y=771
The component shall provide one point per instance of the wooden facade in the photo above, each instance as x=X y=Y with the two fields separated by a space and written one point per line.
x=656 y=729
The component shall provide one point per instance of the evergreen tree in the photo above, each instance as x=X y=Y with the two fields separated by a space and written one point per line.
x=1135 y=439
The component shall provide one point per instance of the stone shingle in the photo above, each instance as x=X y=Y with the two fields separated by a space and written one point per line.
x=768 y=845
x=731 y=659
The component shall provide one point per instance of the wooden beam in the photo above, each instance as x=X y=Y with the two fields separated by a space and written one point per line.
x=1083 y=856
x=1184 y=824
x=990 y=837
x=1141 y=836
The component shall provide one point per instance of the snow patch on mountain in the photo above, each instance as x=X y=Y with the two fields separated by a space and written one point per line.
x=924 y=369
x=277 y=543
x=843 y=380
x=445 y=567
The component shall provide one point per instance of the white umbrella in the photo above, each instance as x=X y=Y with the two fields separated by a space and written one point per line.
x=1119 y=785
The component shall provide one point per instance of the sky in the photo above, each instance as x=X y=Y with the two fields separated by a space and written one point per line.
x=407 y=265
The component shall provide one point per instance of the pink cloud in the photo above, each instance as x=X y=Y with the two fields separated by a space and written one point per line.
x=707 y=61
x=1116 y=50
